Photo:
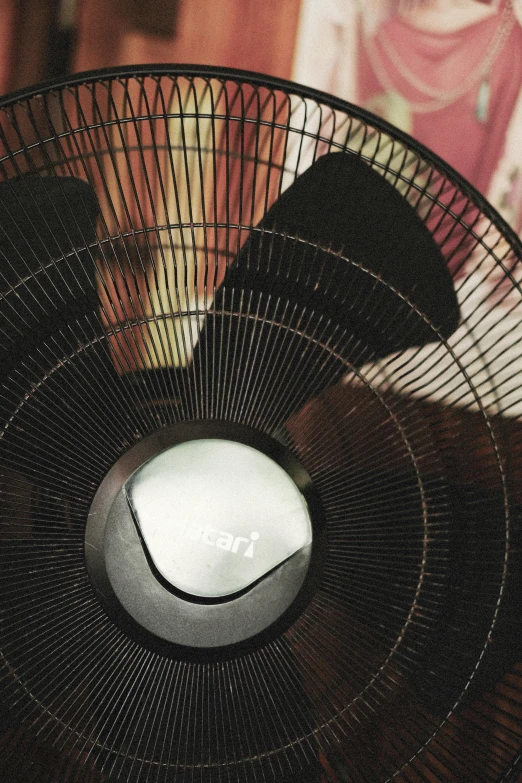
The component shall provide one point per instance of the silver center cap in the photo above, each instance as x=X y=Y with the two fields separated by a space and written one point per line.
x=217 y=515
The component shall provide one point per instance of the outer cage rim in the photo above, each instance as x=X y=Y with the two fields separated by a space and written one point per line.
x=258 y=80
x=193 y=71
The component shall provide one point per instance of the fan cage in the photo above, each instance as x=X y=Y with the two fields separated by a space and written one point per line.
x=386 y=675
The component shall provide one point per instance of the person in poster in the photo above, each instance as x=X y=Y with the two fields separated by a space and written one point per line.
x=448 y=72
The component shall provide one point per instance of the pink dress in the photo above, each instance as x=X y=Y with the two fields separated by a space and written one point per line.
x=471 y=144
x=333 y=54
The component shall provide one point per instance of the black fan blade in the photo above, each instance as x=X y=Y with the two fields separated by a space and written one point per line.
x=47 y=294
x=342 y=204
x=342 y=201
x=46 y=224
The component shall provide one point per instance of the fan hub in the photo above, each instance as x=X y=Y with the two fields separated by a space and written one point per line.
x=217 y=515
x=206 y=536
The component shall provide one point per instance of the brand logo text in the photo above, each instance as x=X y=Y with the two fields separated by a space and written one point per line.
x=211 y=536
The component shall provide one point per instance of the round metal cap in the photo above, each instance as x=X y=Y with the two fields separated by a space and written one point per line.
x=203 y=537
x=217 y=515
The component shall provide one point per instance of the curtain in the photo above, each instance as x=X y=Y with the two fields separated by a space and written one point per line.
x=249 y=34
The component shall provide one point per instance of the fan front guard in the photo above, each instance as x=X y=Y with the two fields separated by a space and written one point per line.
x=144 y=292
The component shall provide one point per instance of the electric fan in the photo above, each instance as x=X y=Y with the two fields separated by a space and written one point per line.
x=260 y=442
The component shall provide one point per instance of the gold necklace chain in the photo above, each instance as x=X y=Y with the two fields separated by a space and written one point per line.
x=439 y=98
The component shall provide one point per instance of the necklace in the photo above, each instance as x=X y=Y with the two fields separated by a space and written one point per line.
x=439 y=99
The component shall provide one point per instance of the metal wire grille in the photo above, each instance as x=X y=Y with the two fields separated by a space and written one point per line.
x=406 y=664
